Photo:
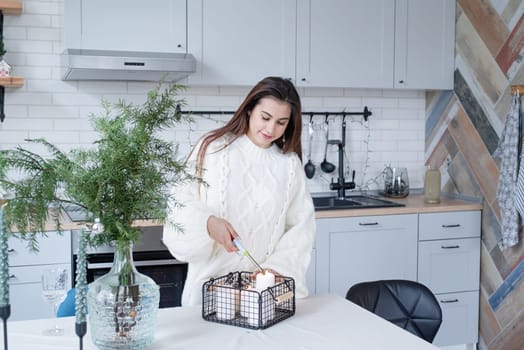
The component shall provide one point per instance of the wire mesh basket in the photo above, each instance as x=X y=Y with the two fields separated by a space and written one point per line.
x=233 y=299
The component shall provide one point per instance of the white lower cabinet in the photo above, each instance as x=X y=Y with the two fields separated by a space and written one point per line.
x=440 y=250
x=460 y=315
x=352 y=250
x=449 y=265
x=25 y=273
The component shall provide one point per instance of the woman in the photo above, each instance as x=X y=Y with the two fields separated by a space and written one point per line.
x=253 y=187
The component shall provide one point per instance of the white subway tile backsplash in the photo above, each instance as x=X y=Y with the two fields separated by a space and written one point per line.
x=32 y=72
x=54 y=112
x=38 y=33
x=57 y=110
x=363 y=92
x=218 y=101
x=28 y=20
x=18 y=97
x=11 y=138
x=352 y=104
x=382 y=102
x=17 y=111
x=97 y=87
x=321 y=92
x=56 y=137
x=30 y=46
x=412 y=103
x=403 y=93
x=46 y=85
x=14 y=33
x=69 y=99
x=43 y=7
x=43 y=60
x=71 y=124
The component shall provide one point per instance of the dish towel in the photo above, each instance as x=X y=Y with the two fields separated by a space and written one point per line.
x=507 y=150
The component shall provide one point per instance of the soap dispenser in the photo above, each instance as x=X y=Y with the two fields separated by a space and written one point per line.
x=432 y=186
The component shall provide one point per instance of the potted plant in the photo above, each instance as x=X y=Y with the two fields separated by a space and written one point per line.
x=125 y=176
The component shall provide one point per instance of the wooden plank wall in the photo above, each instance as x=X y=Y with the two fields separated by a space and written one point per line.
x=462 y=132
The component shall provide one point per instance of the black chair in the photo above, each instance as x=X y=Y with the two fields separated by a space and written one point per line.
x=408 y=304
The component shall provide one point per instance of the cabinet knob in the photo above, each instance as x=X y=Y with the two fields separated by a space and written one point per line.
x=303 y=79
x=10 y=277
x=401 y=81
x=179 y=45
x=10 y=250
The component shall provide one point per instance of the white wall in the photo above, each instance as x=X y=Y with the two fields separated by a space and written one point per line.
x=57 y=110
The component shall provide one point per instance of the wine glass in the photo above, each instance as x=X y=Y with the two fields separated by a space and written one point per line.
x=54 y=291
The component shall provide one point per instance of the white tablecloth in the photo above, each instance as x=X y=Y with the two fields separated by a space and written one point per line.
x=320 y=322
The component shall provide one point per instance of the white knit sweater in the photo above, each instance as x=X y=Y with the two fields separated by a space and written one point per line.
x=263 y=194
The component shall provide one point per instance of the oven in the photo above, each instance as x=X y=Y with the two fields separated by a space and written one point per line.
x=151 y=258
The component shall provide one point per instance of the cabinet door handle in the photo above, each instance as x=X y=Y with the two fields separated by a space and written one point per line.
x=10 y=250
x=449 y=246
x=10 y=277
x=368 y=223
x=451 y=226
x=449 y=301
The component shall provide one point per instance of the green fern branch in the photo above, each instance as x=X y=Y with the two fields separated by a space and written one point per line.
x=126 y=176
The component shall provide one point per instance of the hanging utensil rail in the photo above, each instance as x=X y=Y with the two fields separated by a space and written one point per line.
x=365 y=113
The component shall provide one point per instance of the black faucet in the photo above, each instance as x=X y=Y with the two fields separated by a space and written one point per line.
x=341 y=186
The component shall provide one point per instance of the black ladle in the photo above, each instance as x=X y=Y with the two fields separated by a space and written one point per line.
x=326 y=166
x=309 y=168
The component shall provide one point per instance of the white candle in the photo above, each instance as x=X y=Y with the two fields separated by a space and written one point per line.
x=264 y=280
x=268 y=307
x=227 y=302
x=249 y=305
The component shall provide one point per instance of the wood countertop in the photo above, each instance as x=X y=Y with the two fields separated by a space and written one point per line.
x=414 y=204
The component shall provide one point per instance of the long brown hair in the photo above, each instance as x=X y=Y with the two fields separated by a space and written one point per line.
x=280 y=88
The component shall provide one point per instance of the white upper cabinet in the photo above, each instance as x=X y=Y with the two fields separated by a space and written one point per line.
x=127 y=25
x=343 y=43
x=238 y=42
x=424 y=44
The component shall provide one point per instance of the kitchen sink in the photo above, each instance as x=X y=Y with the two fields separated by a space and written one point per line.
x=352 y=202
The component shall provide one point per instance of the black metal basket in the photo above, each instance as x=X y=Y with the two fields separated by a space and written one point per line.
x=231 y=299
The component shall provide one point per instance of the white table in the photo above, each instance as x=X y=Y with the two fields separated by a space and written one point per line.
x=320 y=322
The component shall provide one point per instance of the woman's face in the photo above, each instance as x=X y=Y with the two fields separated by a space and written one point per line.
x=268 y=121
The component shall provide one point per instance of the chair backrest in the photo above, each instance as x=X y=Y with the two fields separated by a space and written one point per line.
x=408 y=304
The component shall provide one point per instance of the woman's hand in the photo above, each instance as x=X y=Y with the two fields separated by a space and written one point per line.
x=222 y=232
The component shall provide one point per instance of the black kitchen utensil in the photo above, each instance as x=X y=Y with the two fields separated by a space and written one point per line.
x=326 y=166
x=309 y=168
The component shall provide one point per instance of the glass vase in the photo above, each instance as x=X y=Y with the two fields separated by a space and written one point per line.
x=123 y=304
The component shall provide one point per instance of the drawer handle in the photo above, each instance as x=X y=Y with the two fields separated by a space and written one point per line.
x=368 y=223
x=449 y=301
x=450 y=246
x=451 y=226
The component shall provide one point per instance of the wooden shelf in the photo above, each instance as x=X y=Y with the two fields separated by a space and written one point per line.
x=12 y=81
x=11 y=7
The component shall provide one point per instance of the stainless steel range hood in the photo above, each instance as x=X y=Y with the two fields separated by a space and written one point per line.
x=80 y=64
